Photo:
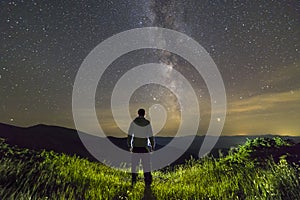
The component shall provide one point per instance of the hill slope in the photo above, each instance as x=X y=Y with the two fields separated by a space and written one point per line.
x=28 y=174
x=65 y=140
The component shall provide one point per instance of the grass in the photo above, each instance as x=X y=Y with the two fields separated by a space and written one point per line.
x=27 y=174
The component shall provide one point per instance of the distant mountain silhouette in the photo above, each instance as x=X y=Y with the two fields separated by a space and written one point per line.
x=58 y=139
x=65 y=140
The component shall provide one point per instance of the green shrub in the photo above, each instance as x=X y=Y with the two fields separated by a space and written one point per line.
x=27 y=174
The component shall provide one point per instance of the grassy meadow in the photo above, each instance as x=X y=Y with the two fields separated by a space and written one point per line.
x=247 y=172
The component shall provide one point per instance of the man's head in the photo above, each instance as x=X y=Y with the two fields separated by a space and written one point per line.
x=141 y=112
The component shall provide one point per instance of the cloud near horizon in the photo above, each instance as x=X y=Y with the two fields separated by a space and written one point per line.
x=271 y=113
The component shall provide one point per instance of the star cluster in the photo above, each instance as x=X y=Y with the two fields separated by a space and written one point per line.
x=255 y=45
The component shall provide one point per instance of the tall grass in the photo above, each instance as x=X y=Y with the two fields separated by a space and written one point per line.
x=26 y=174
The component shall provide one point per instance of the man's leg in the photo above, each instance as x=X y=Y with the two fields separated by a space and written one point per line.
x=147 y=167
x=134 y=167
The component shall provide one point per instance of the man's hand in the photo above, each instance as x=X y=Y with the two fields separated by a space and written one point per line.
x=151 y=148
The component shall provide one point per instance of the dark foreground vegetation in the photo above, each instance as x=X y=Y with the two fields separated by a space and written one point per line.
x=262 y=168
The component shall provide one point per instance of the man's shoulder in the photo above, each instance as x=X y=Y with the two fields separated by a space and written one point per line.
x=141 y=121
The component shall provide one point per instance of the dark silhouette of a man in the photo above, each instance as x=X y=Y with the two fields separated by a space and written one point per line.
x=140 y=141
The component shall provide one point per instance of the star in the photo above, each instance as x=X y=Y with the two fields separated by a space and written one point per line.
x=255 y=46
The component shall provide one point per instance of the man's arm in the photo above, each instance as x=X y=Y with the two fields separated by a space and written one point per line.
x=129 y=137
x=150 y=135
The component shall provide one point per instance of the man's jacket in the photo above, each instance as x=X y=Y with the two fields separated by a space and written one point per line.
x=139 y=132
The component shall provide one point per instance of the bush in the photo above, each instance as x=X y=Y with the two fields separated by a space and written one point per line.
x=27 y=174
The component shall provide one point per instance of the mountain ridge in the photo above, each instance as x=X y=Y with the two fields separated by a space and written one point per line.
x=67 y=140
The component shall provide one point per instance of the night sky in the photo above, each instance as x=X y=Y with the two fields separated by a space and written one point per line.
x=255 y=45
